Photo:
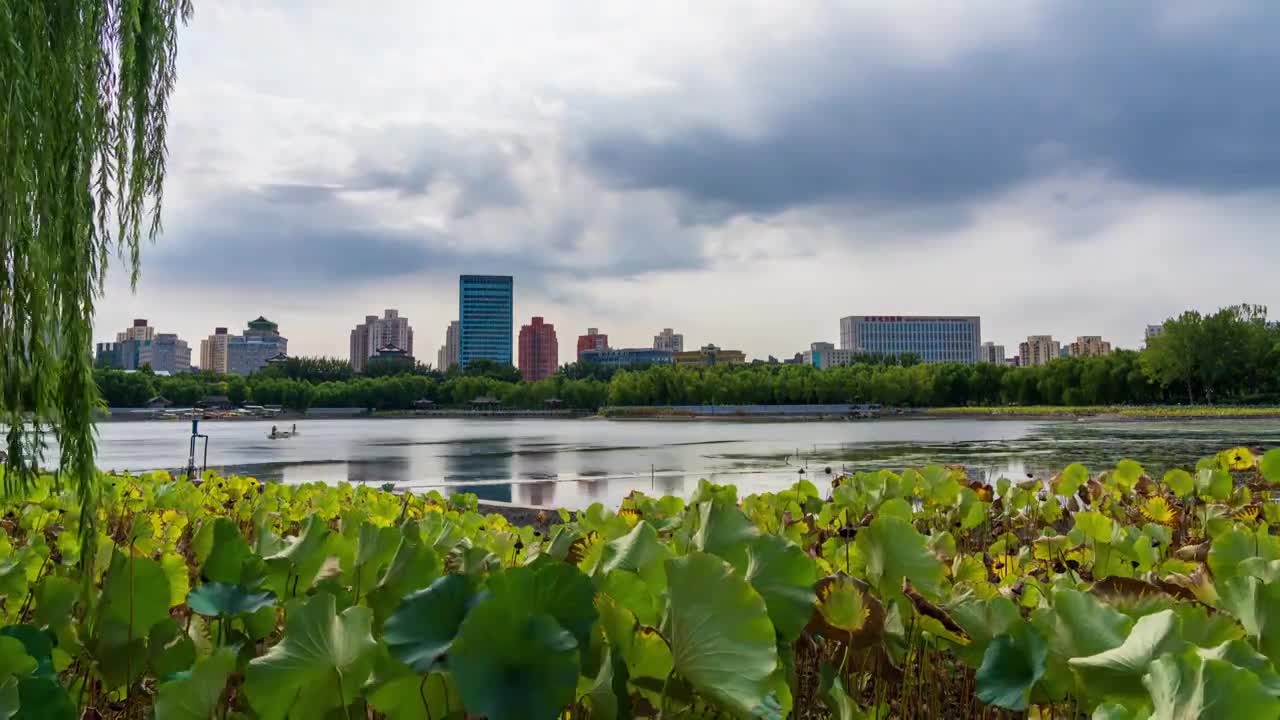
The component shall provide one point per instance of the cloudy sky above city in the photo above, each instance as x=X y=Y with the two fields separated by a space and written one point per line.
x=746 y=172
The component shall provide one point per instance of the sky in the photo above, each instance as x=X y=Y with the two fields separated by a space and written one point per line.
x=746 y=172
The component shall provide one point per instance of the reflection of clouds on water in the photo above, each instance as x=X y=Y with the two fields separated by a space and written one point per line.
x=485 y=460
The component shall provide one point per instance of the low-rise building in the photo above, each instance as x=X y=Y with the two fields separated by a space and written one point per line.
x=1152 y=331
x=165 y=352
x=708 y=356
x=827 y=355
x=931 y=338
x=626 y=357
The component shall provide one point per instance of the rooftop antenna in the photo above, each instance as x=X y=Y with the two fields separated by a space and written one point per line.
x=191 y=456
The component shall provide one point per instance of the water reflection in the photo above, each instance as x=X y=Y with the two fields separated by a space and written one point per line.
x=575 y=463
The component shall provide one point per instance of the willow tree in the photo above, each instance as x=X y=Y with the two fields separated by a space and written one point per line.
x=84 y=90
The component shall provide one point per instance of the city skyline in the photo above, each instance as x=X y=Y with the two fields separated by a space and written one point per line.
x=950 y=157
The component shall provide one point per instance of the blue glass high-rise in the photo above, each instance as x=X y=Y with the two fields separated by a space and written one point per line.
x=485 y=316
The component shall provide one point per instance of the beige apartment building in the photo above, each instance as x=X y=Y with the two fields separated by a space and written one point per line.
x=1039 y=350
x=213 y=351
x=447 y=356
x=1089 y=346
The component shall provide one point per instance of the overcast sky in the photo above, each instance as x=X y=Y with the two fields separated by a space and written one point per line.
x=746 y=172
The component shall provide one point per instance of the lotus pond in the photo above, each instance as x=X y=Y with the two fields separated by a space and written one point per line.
x=1113 y=595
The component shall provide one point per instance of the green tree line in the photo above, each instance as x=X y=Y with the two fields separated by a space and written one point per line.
x=1232 y=355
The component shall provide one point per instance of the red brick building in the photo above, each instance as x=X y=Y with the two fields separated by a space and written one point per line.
x=593 y=340
x=539 y=354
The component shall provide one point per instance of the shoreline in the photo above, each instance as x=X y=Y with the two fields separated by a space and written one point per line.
x=1146 y=414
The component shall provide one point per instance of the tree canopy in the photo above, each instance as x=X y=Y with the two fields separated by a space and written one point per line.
x=84 y=91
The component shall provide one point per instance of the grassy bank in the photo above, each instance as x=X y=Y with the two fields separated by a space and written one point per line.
x=1153 y=412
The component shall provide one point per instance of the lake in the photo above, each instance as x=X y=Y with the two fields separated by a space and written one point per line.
x=573 y=463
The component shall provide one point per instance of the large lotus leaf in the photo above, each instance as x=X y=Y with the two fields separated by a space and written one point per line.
x=601 y=692
x=784 y=575
x=722 y=641
x=512 y=663
x=415 y=697
x=1094 y=525
x=1236 y=545
x=892 y=550
x=1180 y=482
x=135 y=593
x=1084 y=626
x=169 y=649
x=1257 y=606
x=1127 y=473
x=375 y=548
x=1214 y=483
x=1190 y=685
x=725 y=531
x=423 y=628
x=294 y=568
x=1011 y=666
x=226 y=550
x=1205 y=627
x=35 y=642
x=319 y=664
x=217 y=599
x=1270 y=466
x=1116 y=711
x=637 y=549
x=633 y=593
x=42 y=698
x=195 y=696
x=14 y=659
x=119 y=652
x=414 y=566
x=1238 y=652
x=55 y=601
x=9 y=703
x=1071 y=480
x=1265 y=570
x=175 y=570
x=557 y=589
x=1117 y=673
x=399 y=693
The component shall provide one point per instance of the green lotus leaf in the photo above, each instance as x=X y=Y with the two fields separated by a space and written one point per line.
x=42 y=698
x=1257 y=606
x=1011 y=666
x=175 y=570
x=169 y=649
x=1095 y=526
x=217 y=599
x=55 y=601
x=1191 y=685
x=555 y=588
x=424 y=626
x=1116 y=711
x=784 y=575
x=1180 y=482
x=399 y=693
x=892 y=550
x=414 y=566
x=14 y=659
x=1270 y=466
x=633 y=593
x=1232 y=547
x=135 y=593
x=512 y=662
x=832 y=691
x=604 y=693
x=195 y=695
x=294 y=568
x=1127 y=473
x=1117 y=673
x=1215 y=484
x=722 y=641
x=226 y=551
x=725 y=531
x=319 y=664
x=633 y=551
x=375 y=548
x=1072 y=479
x=36 y=643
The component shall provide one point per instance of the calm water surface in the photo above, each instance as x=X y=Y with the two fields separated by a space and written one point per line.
x=573 y=463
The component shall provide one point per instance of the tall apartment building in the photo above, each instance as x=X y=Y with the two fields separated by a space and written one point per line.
x=669 y=340
x=932 y=338
x=165 y=352
x=447 y=355
x=139 y=331
x=141 y=345
x=991 y=353
x=378 y=333
x=213 y=351
x=1089 y=346
x=708 y=356
x=485 y=307
x=539 y=352
x=1038 y=350
x=246 y=353
x=593 y=340
x=826 y=355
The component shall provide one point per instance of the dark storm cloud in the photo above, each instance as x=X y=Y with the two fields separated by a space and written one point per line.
x=1109 y=86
